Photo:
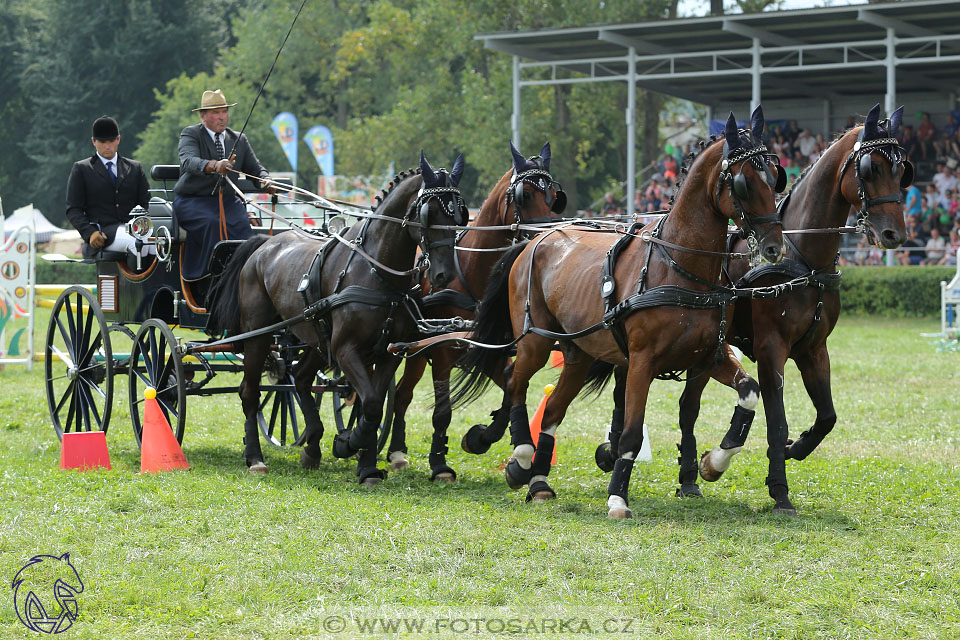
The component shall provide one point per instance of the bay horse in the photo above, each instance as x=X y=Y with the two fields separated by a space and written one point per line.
x=865 y=168
x=354 y=289
x=526 y=194
x=660 y=300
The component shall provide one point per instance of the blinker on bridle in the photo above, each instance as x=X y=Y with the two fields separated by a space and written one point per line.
x=541 y=180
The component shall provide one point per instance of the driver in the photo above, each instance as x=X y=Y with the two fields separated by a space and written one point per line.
x=101 y=192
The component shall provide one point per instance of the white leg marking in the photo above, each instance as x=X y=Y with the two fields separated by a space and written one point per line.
x=616 y=504
x=749 y=402
x=550 y=430
x=720 y=458
x=396 y=456
x=523 y=454
x=628 y=455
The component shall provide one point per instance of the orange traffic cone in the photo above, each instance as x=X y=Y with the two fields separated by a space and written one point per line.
x=538 y=418
x=84 y=450
x=159 y=449
x=556 y=359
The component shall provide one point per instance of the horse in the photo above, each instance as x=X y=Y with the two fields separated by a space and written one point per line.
x=352 y=291
x=799 y=301
x=526 y=194
x=660 y=301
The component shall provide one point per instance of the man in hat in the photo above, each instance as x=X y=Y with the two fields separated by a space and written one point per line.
x=101 y=192
x=205 y=156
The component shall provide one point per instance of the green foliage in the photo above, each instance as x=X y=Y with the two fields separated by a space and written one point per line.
x=65 y=272
x=893 y=291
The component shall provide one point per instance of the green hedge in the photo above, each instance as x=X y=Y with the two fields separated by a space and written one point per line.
x=893 y=291
x=65 y=272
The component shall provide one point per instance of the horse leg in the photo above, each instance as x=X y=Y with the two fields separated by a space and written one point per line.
x=478 y=438
x=689 y=411
x=638 y=386
x=254 y=356
x=364 y=434
x=771 y=356
x=575 y=368
x=397 y=451
x=731 y=373
x=815 y=369
x=532 y=354
x=606 y=454
x=439 y=470
x=304 y=375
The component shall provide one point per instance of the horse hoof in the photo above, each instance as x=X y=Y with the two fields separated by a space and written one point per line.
x=542 y=496
x=714 y=462
x=371 y=477
x=258 y=468
x=444 y=477
x=472 y=441
x=516 y=475
x=308 y=461
x=371 y=482
x=604 y=458
x=620 y=513
x=787 y=510
x=398 y=461
x=689 y=490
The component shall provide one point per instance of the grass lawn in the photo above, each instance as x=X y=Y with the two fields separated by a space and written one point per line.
x=217 y=553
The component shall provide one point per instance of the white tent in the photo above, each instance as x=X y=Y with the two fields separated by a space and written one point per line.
x=30 y=216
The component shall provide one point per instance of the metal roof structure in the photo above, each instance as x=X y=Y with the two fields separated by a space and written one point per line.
x=831 y=54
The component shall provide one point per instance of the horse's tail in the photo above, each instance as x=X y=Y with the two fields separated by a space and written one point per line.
x=491 y=326
x=223 y=300
x=597 y=378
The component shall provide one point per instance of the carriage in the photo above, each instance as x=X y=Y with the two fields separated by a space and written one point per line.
x=142 y=301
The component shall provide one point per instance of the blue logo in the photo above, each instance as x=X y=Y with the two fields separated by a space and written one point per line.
x=41 y=582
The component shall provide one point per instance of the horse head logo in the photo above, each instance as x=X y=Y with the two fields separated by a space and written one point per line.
x=38 y=584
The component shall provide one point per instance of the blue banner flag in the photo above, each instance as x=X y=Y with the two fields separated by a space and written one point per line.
x=320 y=141
x=285 y=127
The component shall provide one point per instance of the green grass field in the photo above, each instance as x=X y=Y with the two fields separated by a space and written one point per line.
x=216 y=553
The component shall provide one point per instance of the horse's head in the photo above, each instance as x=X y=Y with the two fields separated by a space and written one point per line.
x=749 y=179
x=879 y=171
x=437 y=210
x=533 y=193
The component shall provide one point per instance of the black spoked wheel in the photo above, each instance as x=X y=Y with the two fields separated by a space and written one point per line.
x=280 y=414
x=155 y=361
x=79 y=364
x=346 y=411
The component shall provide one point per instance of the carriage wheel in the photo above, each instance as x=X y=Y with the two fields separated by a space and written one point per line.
x=155 y=361
x=78 y=364
x=285 y=424
x=347 y=405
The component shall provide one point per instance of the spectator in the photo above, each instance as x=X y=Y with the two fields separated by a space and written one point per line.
x=792 y=132
x=908 y=142
x=806 y=143
x=950 y=258
x=945 y=181
x=793 y=171
x=610 y=206
x=930 y=200
x=670 y=167
x=953 y=206
x=914 y=201
x=935 y=247
x=909 y=255
x=942 y=144
x=925 y=135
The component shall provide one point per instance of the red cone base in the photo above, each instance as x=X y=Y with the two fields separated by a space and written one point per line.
x=84 y=450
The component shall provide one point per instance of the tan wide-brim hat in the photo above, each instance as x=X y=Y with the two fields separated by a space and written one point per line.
x=213 y=100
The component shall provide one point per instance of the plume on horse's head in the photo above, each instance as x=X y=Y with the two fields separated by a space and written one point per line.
x=440 y=177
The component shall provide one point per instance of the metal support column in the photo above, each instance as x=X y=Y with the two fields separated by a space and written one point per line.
x=631 y=132
x=891 y=99
x=755 y=75
x=515 y=120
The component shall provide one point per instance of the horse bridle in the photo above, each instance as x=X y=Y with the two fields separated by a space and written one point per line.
x=541 y=180
x=451 y=204
x=860 y=157
x=738 y=189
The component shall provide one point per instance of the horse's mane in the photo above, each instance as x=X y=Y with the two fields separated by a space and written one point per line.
x=397 y=179
x=810 y=166
x=688 y=161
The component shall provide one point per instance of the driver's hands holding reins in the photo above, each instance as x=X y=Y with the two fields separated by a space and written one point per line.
x=98 y=239
x=218 y=166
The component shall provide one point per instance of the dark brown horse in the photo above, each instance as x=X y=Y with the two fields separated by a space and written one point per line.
x=354 y=288
x=526 y=194
x=864 y=168
x=660 y=301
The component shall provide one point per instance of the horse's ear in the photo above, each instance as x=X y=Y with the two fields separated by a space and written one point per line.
x=895 y=119
x=429 y=177
x=870 y=124
x=457 y=172
x=731 y=134
x=545 y=156
x=519 y=162
x=756 y=124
